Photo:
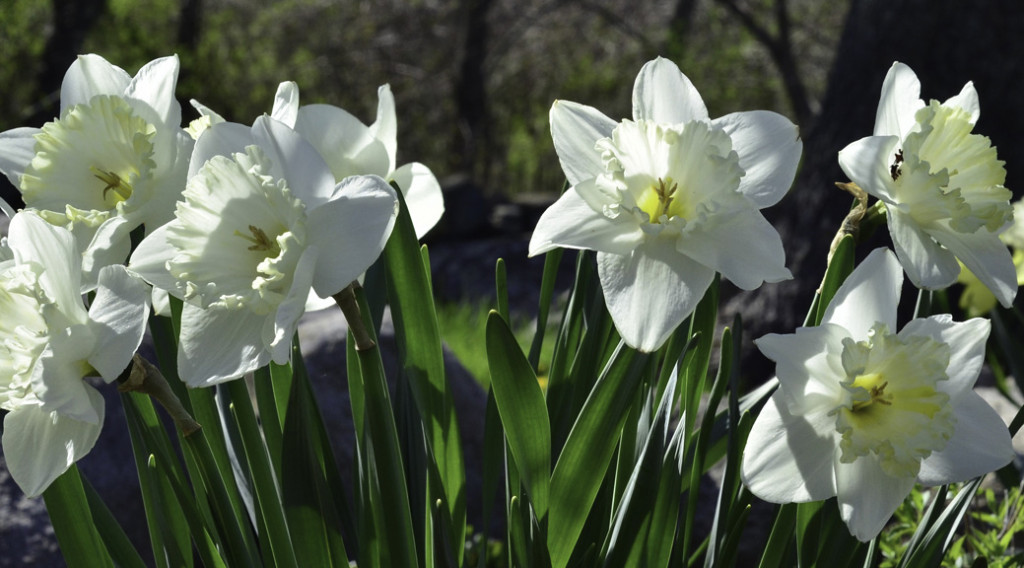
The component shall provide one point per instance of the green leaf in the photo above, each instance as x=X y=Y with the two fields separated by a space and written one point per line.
x=588 y=450
x=838 y=269
x=309 y=502
x=418 y=339
x=121 y=549
x=523 y=411
x=67 y=504
x=941 y=534
x=267 y=493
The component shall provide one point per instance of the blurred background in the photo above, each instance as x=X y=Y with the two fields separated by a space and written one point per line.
x=473 y=79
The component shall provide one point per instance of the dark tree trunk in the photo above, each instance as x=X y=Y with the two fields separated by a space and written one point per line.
x=471 y=89
x=946 y=45
x=71 y=23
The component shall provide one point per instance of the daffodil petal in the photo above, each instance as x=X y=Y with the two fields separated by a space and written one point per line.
x=575 y=128
x=218 y=344
x=57 y=375
x=118 y=317
x=39 y=445
x=353 y=227
x=221 y=139
x=17 y=148
x=900 y=99
x=572 y=223
x=296 y=160
x=866 y=162
x=966 y=341
x=966 y=99
x=286 y=103
x=150 y=258
x=34 y=240
x=422 y=194
x=869 y=295
x=928 y=265
x=868 y=496
x=742 y=246
x=663 y=94
x=347 y=145
x=809 y=366
x=385 y=127
x=154 y=85
x=88 y=76
x=787 y=458
x=769 y=148
x=650 y=291
x=980 y=444
x=987 y=257
x=286 y=319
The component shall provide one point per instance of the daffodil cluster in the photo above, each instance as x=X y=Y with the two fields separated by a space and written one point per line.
x=249 y=226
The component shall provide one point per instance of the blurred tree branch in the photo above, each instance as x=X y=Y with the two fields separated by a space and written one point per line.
x=780 y=48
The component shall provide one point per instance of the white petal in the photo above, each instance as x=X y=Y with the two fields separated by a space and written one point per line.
x=385 y=128
x=291 y=309
x=296 y=160
x=422 y=194
x=663 y=94
x=928 y=265
x=650 y=291
x=788 y=459
x=966 y=341
x=88 y=76
x=17 y=148
x=572 y=223
x=203 y=110
x=154 y=85
x=218 y=345
x=315 y=303
x=987 y=257
x=769 y=148
x=350 y=231
x=39 y=445
x=286 y=103
x=866 y=162
x=118 y=317
x=57 y=375
x=900 y=99
x=809 y=367
x=980 y=444
x=743 y=246
x=110 y=244
x=150 y=258
x=869 y=295
x=967 y=99
x=34 y=240
x=868 y=496
x=347 y=145
x=160 y=209
x=575 y=129
x=221 y=139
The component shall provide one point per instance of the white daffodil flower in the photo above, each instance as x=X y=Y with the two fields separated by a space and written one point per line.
x=863 y=412
x=263 y=229
x=668 y=199
x=942 y=186
x=49 y=341
x=115 y=159
x=352 y=148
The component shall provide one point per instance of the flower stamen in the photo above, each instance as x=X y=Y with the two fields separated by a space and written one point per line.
x=114 y=182
x=260 y=240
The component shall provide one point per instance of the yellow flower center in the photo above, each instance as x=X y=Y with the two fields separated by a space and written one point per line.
x=893 y=408
x=669 y=176
x=659 y=199
x=90 y=161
